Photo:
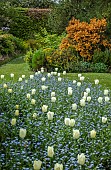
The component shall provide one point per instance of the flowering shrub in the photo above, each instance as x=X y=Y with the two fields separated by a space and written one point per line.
x=72 y=131
x=86 y=37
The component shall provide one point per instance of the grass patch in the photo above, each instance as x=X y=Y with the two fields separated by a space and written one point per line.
x=19 y=67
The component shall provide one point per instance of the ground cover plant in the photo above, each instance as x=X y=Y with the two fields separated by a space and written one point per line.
x=50 y=122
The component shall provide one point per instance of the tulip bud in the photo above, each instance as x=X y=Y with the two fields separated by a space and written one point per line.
x=56 y=69
x=82 y=102
x=2 y=76
x=33 y=101
x=50 y=115
x=31 y=76
x=22 y=133
x=100 y=99
x=96 y=81
x=50 y=151
x=33 y=91
x=88 y=90
x=107 y=99
x=53 y=99
x=74 y=81
x=106 y=92
x=43 y=78
x=67 y=121
x=49 y=75
x=74 y=106
x=81 y=159
x=82 y=78
x=64 y=72
x=79 y=75
x=28 y=95
x=58 y=166
x=93 y=134
x=37 y=165
x=13 y=121
x=59 y=78
x=12 y=75
x=5 y=86
x=23 y=76
x=20 y=79
x=71 y=122
x=89 y=98
x=9 y=90
x=78 y=84
x=104 y=119
x=34 y=115
x=76 y=134
x=52 y=94
x=44 y=108
x=16 y=112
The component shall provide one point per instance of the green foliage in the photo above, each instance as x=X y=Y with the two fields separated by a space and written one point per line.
x=10 y=45
x=38 y=59
x=102 y=56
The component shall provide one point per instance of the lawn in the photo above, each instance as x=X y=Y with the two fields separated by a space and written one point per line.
x=19 y=68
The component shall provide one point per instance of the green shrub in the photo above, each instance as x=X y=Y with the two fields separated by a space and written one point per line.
x=38 y=59
x=10 y=46
x=99 y=68
x=103 y=57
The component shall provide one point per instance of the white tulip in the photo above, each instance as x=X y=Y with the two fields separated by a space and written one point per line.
x=76 y=134
x=13 y=121
x=59 y=78
x=39 y=72
x=96 y=81
x=43 y=78
x=42 y=70
x=53 y=99
x=93 y=134
x=31 y=76
x=37 y=165
x=22 y=133
x=9 y=90
x=55 y=73
x=2 y=76
x=74 y=106
x=20 y=79
x=71 y=122
x=84 y=97
x=44 y=87
x=100 y=99
x=56 y=69
x=16 y=112
x=67 y=121
x=78 y=84
x=26 y=81
x=33 y=101
x=28 y=95
x=23 y=76
x=79 y=75
x=64 y=72
x=5 y=86
x=44 y=108
x=52 y=94
x=107 y=99
x=52 y=73
x=104 y=119
x=89 y=98
x=82 y=78
x=50 y=151
x=106 y=92
x=33 y=91
x=59 y=74
x=70 y=92
x=85 y=94
x=81 y=159
x=50 y=115
x=82 y=102
x=34 y=115
x=74 y=81
x=48 y=74
x=58 y=166
x=88 y=90
x=12 y=75
x=17 y=106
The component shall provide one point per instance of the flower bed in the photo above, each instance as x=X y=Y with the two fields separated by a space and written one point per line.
x=49 y=122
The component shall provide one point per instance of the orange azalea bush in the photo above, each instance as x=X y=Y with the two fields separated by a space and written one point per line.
x=86 y=37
